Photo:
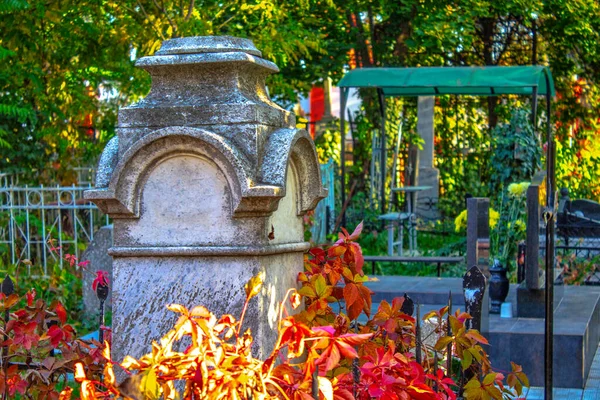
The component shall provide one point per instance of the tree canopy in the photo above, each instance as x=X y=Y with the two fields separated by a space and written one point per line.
x=67 y=66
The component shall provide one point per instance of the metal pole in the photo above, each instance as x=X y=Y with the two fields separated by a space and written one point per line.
x=44 y=242
x=102 y=294
x=534 y=107
x=343 y=99
x=549 y=294
x=383 y=147
x=27 y=227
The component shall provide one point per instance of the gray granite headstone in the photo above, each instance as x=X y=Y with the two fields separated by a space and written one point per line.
x=478 y=247
x=207 y=182
x=99 y=260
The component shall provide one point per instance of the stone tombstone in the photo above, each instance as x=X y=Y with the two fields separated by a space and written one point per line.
x=478 y=233
x=428 y=174
x=478 y=250
x=206 y=181
x=531 y=297
x=99 y=259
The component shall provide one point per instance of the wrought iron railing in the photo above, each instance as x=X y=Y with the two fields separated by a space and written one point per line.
x=40 y=223
x=325 y=211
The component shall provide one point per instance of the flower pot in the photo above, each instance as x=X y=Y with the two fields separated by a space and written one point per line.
x=499 y=286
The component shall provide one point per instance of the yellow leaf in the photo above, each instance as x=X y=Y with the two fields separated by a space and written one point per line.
x=87 y=390
x=200 y=311
x=178 y=308
x=109 y=375
x=149 y=386
x=79 y=372
x=295 y=300
x=254 y=285
x=131 y=363
x=106 y=350
x=326 y=388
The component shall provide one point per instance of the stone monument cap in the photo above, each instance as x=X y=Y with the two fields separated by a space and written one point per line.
x=206 y=50
x=207 y=44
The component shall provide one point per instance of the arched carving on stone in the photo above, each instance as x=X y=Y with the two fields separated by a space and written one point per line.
x=108 y=162
x=122 y=196
x=293 y=145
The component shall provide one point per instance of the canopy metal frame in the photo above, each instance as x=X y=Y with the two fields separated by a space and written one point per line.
x=531 y=81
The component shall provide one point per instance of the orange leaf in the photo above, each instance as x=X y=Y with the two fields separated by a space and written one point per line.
x=355 y=308
x=336 y=251
x=351 y=294
x=65 y=394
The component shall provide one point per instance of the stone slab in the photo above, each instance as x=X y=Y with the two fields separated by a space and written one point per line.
x=99 y=259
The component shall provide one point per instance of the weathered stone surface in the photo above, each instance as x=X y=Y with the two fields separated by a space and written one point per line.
x=206 y=189
x=428 y=175
x=99 y=259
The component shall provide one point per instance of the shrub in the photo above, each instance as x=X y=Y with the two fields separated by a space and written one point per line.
x=318 y=354
x=39 y=347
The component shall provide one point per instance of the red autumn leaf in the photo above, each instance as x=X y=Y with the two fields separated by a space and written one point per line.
x=101 y=279
x=336 y=346
x=293 y=334
x=24 y=334
x=16 y=384
x=58 y=334
x=357 y=232
x=71 y=259
x=61 y=313
x=30 y=295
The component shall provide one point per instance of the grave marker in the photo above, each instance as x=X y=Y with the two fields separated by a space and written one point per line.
x=206 y=181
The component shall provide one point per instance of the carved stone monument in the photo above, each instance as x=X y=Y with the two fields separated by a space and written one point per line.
x=206 y=181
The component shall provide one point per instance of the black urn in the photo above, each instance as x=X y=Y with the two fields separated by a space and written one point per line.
x=499 y=286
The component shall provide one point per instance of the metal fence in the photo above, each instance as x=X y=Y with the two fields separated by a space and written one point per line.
x=325 y=211
x=41 y=224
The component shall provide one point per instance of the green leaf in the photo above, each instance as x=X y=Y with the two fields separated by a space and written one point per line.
x=320 y=286
x=467 y=359
x=443 y=342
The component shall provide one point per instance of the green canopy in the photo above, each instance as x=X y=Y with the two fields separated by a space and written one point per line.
x=475 y=81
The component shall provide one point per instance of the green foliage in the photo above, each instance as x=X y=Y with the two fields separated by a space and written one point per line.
x=516 y=153
x=462 y=145
x=328 y=146
x=510 y=227
x=67 y=66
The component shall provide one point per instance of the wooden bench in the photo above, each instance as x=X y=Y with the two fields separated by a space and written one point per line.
x=428 y=260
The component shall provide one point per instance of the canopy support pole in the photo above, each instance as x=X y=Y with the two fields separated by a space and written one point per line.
x=383 y=148
x=343 y=100
x=550 y=218
x=534 y=101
